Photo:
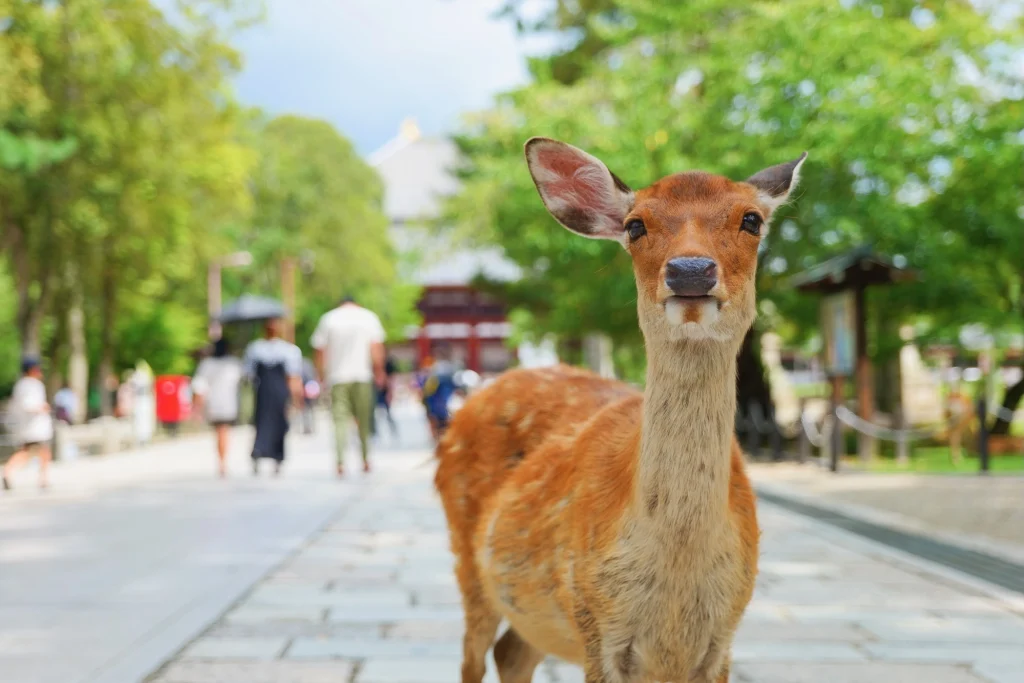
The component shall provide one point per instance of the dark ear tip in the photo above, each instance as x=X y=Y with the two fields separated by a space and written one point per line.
x=802 y=156
x=537 y=140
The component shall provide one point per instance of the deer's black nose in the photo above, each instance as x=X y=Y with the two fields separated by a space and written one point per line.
x=691 y=275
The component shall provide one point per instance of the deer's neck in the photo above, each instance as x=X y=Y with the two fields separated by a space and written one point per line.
x=689 y=418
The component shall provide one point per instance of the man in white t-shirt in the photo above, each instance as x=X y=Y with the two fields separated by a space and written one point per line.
x=33 y=425
x=349 y=346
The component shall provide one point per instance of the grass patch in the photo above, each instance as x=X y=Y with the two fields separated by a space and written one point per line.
x=812 y=390
x=936 y=460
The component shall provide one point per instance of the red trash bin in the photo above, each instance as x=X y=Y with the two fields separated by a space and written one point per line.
x=173 y=398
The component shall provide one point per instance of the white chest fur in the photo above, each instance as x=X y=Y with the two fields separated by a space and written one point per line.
x=674 y=601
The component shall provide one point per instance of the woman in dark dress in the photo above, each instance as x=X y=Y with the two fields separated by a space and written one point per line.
x=275 y=368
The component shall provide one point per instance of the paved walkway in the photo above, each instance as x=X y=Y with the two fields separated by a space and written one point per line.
x=985 y=513
x=370 y=598
x=129 y=556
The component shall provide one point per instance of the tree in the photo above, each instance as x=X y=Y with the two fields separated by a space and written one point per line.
x=130 y=153
x=314 y=199
x=729 y=88
x=27 y=152
x=571 y=18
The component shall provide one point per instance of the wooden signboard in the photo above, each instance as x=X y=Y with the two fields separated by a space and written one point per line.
x=839 y=331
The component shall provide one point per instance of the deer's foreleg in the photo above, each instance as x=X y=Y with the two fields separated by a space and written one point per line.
x=481 y=624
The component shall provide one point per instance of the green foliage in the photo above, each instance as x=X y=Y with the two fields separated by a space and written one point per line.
x=9 y=361
x=911 y=112
x=573 y=18
x=30 y=153
x=122 y=150
x=316 y=200
x=128 y=166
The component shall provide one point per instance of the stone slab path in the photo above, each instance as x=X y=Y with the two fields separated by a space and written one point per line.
x=371 y=598
x=127 y=557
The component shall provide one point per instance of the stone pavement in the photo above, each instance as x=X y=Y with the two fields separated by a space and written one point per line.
x=371 y=598
x=979 y=512
x=129 y=556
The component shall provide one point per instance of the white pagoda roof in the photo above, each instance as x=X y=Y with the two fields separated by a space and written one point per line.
x=417 y=176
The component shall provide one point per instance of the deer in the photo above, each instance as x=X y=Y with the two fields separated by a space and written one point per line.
x=608 y=527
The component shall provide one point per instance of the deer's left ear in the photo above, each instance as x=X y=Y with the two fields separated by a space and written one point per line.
x=775 y=183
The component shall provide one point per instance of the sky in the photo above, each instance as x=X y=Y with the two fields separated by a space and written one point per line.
x=365 y=65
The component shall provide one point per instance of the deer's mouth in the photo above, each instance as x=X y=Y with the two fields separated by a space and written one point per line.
x=692 y=300
x=697 y=312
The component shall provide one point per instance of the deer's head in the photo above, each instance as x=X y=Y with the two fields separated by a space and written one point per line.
x=693 y=236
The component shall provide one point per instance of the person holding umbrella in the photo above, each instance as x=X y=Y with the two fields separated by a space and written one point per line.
x=275 y=369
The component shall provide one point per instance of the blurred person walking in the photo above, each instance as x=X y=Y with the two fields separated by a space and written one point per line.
x=144 y=414
x=65 y=404
x=125 y=396
x=275 y=367
x=310 y=395
x=108 y=399
x=216 y=386
x=33 y=423
x=384 y=396
x=349 y=345
x=439 y=385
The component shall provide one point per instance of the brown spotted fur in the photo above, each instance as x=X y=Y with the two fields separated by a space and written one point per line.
x=611 y=528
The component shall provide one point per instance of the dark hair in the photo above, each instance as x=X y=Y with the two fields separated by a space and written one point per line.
x=28 y=364
x=348 y=299
x=220 y=348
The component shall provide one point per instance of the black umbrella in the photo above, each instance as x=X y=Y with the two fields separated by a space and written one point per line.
x=248 y=308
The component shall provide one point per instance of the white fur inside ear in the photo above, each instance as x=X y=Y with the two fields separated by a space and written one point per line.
x=771 y=202
x=579 y=190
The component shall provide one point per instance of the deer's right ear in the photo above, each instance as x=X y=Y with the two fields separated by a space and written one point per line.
x=579 y=190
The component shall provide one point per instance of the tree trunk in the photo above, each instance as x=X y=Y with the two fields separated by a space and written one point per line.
x=752 y=384
x=31 y=305
x=597 y=354
x=30 y=319
x=570 y=350
x=55 y=353
x=106 y=368
x=78 y=361
x=28 y=329
x=886 y=331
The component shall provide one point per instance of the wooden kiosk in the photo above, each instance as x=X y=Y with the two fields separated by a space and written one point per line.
x=841 y=282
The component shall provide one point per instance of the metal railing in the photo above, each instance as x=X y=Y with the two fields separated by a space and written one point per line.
x=754 y=427
x=753 y=424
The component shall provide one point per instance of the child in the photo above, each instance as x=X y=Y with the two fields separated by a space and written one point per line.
x=33 y=423
x=438 y=388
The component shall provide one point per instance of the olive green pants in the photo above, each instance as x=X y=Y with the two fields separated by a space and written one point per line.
x=351 y=400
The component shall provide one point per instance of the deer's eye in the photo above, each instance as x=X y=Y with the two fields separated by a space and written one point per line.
x=635 y=229
x=752 y=223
